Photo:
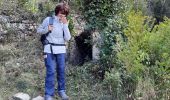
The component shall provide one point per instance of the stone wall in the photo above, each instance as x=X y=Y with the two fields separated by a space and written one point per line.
x=96 y=45
x=21 y=28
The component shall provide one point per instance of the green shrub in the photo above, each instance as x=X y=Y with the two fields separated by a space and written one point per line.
x=105 y=17
x=146 y=53
x=113 y=81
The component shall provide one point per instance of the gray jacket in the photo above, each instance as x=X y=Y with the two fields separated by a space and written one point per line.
x=56 y=36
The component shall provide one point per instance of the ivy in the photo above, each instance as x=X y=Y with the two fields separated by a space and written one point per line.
x=98 y=12
x=106 y=17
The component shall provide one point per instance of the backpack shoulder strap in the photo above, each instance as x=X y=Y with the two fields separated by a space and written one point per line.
x=51 y=19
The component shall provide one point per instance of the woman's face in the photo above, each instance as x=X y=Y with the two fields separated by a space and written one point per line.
x=61 y=16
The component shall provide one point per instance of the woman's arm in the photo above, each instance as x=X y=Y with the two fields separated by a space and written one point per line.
x=43 y=28
x=66 y=30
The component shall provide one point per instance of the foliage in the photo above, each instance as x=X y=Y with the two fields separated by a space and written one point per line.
x=23 y=70
x=82 y=84
x=134 y=33
x=126 y=47
x=134 y=54
x=20 y=66
x=114 y=81
x=159 y=9
x=146 y=53
x=105 y=17
x=99 y=13
x=71 y=25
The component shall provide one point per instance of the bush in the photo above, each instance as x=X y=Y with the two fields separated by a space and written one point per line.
x=114 y=83
x=146 y=53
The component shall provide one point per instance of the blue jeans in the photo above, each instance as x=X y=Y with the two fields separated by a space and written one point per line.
x=54 y=64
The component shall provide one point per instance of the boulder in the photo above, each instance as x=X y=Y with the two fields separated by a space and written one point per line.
x=21 y=96
x=38 y=98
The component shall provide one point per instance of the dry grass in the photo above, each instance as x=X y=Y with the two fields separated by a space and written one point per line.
x=23 y=70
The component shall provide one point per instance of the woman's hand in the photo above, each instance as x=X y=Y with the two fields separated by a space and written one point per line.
x=64 y=20
x=50 y=28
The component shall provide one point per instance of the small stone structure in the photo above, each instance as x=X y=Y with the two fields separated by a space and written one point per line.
x=96 y=44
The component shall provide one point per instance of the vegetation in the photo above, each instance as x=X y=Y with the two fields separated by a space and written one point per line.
x=143 y=56
x=134 y=52
x=130 y=54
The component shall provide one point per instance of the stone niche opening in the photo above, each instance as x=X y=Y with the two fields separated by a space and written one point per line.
x=82 y=50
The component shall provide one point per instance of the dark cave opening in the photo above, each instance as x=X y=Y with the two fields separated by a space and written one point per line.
x=84 y=46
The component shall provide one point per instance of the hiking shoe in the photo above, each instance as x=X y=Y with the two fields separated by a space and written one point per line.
x=47 y=97
x=63 y=95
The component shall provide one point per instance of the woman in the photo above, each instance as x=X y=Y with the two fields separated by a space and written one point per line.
x=55 y=50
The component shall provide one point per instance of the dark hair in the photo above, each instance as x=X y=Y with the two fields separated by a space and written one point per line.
x=63 y=8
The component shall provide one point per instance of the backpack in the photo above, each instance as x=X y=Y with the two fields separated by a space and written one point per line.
x=43 y=37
